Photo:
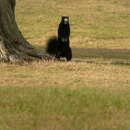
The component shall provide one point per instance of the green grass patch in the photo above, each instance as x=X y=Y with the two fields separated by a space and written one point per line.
x=53 y=108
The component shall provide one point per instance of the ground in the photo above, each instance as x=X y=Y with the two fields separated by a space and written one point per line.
x=90 y=93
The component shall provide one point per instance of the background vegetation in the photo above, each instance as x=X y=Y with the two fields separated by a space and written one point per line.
x=90 y=93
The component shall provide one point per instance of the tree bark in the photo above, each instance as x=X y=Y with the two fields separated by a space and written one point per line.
x=13 y=46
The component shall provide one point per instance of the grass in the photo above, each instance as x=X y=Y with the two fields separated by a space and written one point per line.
x=89 y=19
x=52 y=108
x=89 y=93
x=70 y=75
x=67 y=96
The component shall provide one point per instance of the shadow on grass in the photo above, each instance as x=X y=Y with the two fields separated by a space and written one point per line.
x=101 y=53
x=118 y=56
x=89 y=55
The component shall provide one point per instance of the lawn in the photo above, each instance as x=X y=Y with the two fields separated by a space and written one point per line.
x=92 y=92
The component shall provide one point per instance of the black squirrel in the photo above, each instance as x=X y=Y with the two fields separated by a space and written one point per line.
x=59 y=46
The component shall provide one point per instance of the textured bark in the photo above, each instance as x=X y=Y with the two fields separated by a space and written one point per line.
x=13 y=46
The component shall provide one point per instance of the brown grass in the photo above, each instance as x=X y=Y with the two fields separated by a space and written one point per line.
x=71 y=75
x=89 y=93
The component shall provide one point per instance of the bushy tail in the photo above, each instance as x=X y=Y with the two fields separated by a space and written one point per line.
x=52 y=44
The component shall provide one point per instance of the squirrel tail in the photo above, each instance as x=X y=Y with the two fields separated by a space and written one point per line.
x=52 y=44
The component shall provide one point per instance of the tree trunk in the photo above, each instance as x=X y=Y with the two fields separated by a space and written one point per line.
x=13 y=46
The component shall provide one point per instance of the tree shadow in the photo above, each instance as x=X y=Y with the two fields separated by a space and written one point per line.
x=101 y=53
x=89 y=55
x=114 y=56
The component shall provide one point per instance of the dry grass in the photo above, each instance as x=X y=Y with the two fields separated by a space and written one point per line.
x=102 y=24
x=89 y=93
x=76 y=74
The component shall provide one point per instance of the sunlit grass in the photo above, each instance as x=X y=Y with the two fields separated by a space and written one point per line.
x=51 y=108
x=92 y=18
x=89 y=93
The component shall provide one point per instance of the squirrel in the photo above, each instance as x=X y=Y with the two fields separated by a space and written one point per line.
x=58 y=46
